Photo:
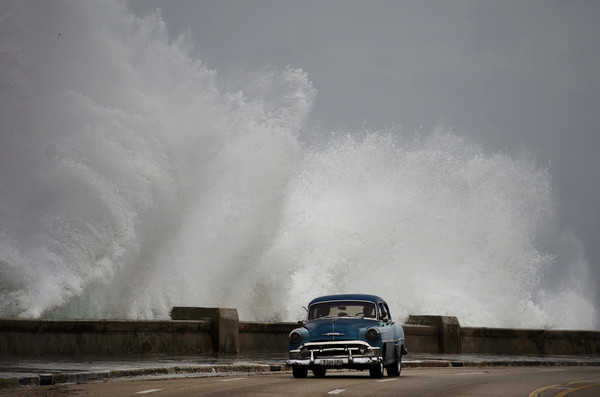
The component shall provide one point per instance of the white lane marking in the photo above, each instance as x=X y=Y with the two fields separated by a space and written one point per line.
x=471 y=373
x=386 y=380
x=551 y=370
x=337 y=391
x=232 y=379
x=148 y=391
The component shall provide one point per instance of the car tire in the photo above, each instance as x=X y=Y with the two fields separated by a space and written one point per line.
x=319 y=372
x=299 y=372
x=394 y=368
x=376 y=371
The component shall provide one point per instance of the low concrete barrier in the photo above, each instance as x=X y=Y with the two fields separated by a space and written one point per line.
x=448 y=335
x=196 y=331
x=529 y=341
x=262 y=337
x=224 y=325
x=421 y=338
x=70 y=338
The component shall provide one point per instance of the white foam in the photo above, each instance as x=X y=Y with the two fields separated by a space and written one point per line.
x=132 y=180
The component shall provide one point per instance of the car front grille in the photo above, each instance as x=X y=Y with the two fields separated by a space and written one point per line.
x=333 y=349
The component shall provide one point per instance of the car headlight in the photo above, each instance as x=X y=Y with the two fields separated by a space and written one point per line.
x=372 y=333
x=295 y=336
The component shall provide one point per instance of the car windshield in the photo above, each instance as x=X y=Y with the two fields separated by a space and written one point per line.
x=342 y=309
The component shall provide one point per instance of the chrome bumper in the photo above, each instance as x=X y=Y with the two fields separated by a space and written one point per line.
x=336 y=362
x=335 y=354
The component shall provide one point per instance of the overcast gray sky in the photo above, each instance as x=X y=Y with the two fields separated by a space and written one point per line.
x=511 y=75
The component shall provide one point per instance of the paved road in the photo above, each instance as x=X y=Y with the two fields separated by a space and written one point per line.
x=497 y=381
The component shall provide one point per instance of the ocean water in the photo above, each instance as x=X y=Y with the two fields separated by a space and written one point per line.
x=134 y=178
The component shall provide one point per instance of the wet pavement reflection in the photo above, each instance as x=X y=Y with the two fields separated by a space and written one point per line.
x=83 y=369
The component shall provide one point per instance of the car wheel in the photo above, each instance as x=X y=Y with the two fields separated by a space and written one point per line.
x=394 y=368
x=319 y=372
x=376 y=371
x=299 y=372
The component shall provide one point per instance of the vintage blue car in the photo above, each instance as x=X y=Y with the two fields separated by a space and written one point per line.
x=347 y=331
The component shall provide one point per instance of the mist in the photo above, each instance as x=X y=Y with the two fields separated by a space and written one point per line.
x=135 y=177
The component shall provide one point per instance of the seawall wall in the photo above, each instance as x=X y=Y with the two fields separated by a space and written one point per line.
x=202 y=331
x=71 y=338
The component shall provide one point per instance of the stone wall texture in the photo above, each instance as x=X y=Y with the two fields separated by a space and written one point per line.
x=202 y=331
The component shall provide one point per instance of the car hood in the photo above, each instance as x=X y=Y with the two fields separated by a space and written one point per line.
x=337 y=328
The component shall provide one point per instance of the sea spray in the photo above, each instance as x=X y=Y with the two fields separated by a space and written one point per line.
x=123 y=199
x=134 y=178
x=434 y=222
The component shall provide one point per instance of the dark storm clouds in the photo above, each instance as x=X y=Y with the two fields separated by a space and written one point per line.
x=511 y=75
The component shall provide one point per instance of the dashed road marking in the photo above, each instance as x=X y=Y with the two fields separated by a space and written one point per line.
x=337 y=391
x=386 y=380
x=471 y=373
x=148 y=391
x=230 y=379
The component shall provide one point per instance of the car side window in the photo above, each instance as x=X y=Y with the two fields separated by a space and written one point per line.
x=382 y=311
x=387 y=309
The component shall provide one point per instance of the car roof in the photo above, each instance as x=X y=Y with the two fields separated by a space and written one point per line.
x=350 y=297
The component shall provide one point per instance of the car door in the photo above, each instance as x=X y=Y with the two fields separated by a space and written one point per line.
x=388 y=331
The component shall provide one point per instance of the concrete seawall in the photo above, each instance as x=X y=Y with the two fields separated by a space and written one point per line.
x=70 y=338
x=196 y=331
x=529 y=341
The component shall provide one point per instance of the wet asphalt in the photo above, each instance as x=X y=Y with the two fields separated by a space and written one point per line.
x=33 y=372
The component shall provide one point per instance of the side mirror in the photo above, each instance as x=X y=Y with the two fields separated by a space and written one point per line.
x=301 y=323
